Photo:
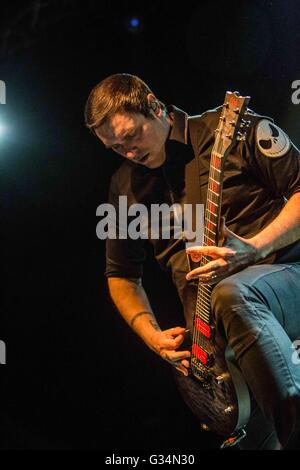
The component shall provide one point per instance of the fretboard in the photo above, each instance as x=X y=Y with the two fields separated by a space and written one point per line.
x=211 y=231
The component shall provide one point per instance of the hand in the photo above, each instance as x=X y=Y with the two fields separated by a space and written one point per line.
x=165 y=343
x=236 y=254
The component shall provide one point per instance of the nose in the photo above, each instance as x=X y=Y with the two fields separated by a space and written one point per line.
x=131 y=153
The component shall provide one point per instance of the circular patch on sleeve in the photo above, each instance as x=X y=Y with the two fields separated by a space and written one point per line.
x=271 y=140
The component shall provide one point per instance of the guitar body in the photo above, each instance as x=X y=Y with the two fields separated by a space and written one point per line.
x=219 y=399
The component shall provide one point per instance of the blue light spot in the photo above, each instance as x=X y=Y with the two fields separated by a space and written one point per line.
x=134 y=22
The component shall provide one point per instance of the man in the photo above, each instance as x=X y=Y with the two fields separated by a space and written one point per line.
x=256 y=273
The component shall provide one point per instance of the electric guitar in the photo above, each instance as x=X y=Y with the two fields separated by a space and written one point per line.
x=215 y=390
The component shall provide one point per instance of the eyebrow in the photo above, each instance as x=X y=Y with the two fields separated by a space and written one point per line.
x=125 y=135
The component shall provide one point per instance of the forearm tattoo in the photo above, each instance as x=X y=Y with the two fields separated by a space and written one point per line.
x=138 y=315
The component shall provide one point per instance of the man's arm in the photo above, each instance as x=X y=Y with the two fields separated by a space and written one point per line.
x=132 y=302
x=283 y=231
x=239 y=252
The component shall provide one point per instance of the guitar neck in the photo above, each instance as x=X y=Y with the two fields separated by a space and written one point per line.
x=213 y=201
x=226 y=135
x=211 y=232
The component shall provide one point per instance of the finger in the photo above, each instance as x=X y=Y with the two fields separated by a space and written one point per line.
x=185 y=363
x=172 y=343
x=177 y=330
x=178 y=356
x=214 y=280
x=183 y=370
x=174 y=356
x=201 y=274
x=212 y=266
x=211 y=251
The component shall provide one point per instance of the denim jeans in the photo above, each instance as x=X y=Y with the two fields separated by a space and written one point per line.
x=258 y=310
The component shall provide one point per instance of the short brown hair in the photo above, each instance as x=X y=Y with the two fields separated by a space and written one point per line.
x=121 y=92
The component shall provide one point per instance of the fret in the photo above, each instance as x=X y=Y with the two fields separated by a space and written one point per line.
x=206 y=289
x=200 y=312
x=210 y=240
x=207 y=235
x=217 y=154
x=214 y=180
x=217 y=194
x=204 y=318
x=203 y=313
x=205 y=300
x=212 y=208
x=211 y=212
x=210 y=222
x=212 y=202
x=211 y=231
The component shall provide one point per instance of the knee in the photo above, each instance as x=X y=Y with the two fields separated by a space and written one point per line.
x=226 y=295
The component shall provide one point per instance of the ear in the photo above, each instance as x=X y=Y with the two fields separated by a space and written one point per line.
x=153 y=104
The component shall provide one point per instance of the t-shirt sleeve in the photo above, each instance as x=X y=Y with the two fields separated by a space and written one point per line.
x=274 y=158
x=124 y=257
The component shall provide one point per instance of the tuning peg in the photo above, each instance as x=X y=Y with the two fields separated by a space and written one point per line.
x=241 y=137
x=245 y=125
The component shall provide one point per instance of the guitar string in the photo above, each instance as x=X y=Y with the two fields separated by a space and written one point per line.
x=214 y=197
x=204 y=292
x=201 y=294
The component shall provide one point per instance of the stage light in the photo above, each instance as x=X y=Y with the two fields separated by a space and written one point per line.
x=134 y=22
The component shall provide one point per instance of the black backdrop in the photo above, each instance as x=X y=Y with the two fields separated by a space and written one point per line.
x=76 y=376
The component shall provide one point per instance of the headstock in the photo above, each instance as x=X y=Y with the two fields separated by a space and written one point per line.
x=232 y=125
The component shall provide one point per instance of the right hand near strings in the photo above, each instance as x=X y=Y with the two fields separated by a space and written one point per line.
x=165 y=343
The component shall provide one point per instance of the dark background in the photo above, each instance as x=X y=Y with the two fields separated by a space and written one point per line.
x=76 y=376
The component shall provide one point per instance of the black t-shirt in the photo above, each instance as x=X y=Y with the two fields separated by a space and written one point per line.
x=260 y=174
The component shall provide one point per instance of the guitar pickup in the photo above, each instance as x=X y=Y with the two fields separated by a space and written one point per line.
x=204 y=328
x=203 y=356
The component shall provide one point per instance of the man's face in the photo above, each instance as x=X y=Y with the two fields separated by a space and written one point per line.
x=137 y=138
